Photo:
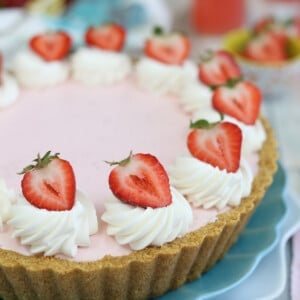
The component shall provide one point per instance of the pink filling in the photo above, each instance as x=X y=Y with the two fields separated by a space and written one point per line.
x=88 y=126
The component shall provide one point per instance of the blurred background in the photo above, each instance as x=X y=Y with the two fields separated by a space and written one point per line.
x=203 y=20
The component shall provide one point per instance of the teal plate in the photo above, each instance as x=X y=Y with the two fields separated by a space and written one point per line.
x=259 y=238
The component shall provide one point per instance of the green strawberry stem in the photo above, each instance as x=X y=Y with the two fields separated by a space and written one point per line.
x=157 y=30
x=231 y=83
x=40 y=162
x=204 y=124
x=122 y=162
x=206 y=56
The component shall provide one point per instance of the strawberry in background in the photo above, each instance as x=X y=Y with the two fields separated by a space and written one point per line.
x=109 y=36
x=169 y=48
x=51 y=46
x=13 y=3
x=270 y=38
x=267 y=47
x=218 y=67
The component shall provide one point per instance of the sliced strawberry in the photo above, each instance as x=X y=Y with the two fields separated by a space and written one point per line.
x=218 y=67
x=267 y=47
x=218 y=144
x=108 y=37
x=297 y=25
x=242 y=101
x=51 y=46
x=171 y=48
x=50 y=183
x=264 y=24
x=140 y=180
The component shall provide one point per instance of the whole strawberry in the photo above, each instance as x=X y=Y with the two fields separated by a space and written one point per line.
x=217 y=67
x=140 y=180
x=109 y=36
x=240 y=100
x=51 y=46
x=169 y=48
x=49 y=183
x=218 y=144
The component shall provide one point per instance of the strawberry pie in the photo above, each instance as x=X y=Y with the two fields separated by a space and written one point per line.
x=135 y=187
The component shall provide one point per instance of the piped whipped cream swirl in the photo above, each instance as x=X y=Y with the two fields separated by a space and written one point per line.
x=32 y=71
x=141 y=227
x=195 y=96
x=162 y=78
x=208 y=186
x=9 y=90
x=7 y=198
x=95 y=66
x=54 y=232
x=253 y=135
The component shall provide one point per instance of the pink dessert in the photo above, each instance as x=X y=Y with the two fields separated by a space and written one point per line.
x=88 y=126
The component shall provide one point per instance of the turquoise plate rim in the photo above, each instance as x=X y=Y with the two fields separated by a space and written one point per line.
x=258 y=238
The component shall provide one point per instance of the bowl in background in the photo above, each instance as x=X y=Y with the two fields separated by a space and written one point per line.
x=272 y=78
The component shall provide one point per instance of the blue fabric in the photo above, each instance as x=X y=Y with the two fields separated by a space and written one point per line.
x=85 y=13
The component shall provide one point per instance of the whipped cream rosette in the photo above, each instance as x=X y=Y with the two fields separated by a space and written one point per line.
x=195 y=97
x=213 y=174
x=7 y=198
x=165 y=68
x=144 y=210
x=9 y=89
x=51 y=216
x=43 y=63
x=101 y=62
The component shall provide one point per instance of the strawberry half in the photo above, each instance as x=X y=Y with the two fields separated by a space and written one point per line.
x=140 y=180
x=264 y=24
x=171 y=48
x=241 y=101
x=108 y=37
x=51 y=46
x=267 y=47
x=218 y=144
x=49 y=183
x=218 y=67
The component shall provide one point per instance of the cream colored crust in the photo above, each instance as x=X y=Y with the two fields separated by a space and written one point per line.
x=142 y=274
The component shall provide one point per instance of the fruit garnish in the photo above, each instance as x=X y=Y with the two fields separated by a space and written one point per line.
x=264 y=24
x=51 y=46
x=288 y=27
x=107 y=37
x=218 y=144
x=49 y=183
x=217 y=67
x=140 y=180
x=169 y=48
x=240 y=100
x=267 y=47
